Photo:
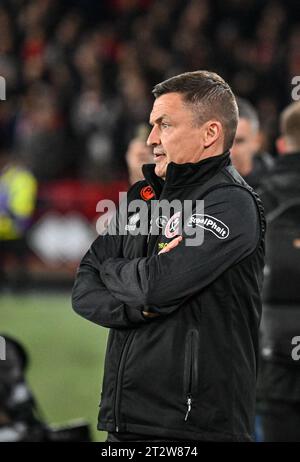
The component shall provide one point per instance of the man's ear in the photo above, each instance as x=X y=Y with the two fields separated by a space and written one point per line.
x=281 y=145
x=213 y=131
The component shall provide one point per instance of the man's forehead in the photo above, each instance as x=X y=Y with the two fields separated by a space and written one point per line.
x=165 y=106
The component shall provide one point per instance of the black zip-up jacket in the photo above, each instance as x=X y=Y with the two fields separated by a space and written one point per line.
x=283 y=182
x=190 y=372
x=279 y=378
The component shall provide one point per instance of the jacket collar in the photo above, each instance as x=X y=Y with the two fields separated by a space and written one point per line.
x=179 y=175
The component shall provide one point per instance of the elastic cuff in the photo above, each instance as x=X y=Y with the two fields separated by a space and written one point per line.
x=135 y=314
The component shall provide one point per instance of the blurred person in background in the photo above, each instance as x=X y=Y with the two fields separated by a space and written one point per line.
x=246 y=156
x=40 y=134
x=283 y=181
x=18 y=190
x=21 y=419
x=138 y=154
x=135 y=104
x=94 y=120
x=279 y=376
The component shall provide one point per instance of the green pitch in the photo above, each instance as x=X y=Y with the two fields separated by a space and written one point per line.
x=66 y=355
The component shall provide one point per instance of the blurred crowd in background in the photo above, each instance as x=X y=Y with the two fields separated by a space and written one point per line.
x=79 y=73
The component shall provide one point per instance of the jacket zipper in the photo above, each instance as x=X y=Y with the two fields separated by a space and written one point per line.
x=119 y=378
x=191 y=357
x=189 y=406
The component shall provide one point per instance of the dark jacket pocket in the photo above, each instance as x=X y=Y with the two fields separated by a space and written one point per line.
x=191 y=369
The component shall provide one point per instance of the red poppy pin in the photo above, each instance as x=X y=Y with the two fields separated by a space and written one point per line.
x=147 y=193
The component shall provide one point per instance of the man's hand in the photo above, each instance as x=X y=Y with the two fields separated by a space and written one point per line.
x=147 y=314
x=171 y=245
x=166 y=249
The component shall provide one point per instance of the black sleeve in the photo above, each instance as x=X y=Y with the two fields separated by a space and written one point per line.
x=93 y=301
x=163 y=281
x=90 y=297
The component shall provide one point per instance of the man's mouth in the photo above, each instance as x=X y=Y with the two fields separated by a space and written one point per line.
x=158 y=155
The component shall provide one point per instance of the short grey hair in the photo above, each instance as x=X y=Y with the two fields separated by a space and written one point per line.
x=247 y=111
x=209 y=96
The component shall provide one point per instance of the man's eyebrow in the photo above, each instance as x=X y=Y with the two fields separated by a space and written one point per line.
x=159 y=119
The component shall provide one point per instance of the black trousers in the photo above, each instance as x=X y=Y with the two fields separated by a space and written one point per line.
x=281 y=421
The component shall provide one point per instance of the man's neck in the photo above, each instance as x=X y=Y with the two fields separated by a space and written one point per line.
x=211 y=151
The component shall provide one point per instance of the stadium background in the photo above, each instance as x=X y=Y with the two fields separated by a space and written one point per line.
x=78 y=84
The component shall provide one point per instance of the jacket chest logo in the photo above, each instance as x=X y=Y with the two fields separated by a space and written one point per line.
x=172 y=227
x=212 y=224
x=161 y=221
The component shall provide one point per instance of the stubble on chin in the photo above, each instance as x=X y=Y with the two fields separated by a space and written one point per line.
x=161 y=170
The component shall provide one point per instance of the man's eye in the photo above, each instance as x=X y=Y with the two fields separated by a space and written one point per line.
x=164 y=125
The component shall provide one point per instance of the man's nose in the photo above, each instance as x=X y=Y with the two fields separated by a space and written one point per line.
x=153 y=138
